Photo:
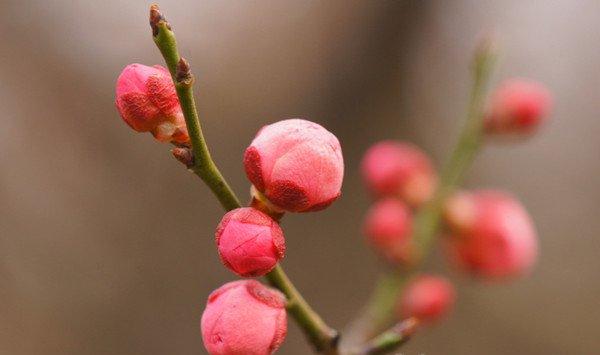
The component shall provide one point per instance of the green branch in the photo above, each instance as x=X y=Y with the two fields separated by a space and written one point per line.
x=202 y=165
x=319 y=333
x=427 y=220
x=200 y=162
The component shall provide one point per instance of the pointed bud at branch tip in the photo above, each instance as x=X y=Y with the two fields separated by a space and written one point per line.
x=156 y=17
x=184 y=155
x=487 y=44
x=183 y=73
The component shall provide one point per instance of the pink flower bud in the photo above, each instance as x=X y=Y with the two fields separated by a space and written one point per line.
x=492 y=234
x=250 y=243
x=427 y=297
x=244 y=317
x=519 y=106
x=296 y=164
x=147 y=102
x=399 y=169
x=388 y=226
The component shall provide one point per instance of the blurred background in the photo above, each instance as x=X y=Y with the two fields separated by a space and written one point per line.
x=106 y=242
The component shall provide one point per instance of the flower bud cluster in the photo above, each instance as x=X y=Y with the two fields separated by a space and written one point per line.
x=491 y=235
x=294 y=166
x=401 y=178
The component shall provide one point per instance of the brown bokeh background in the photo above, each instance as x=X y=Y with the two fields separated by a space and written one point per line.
x=106 y=242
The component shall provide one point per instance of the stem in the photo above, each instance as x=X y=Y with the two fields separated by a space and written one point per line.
x=377 y=310
x=383 y=299
x=427 y=220
x=320 y=334
x=203 y=165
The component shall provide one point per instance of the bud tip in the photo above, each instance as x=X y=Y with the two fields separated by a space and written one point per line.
x=156 y=17
x=183 y=72
x=485 y=51
x=184 y=155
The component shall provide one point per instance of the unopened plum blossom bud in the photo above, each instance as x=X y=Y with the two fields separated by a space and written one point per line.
x=388 y=227
x=399 y=169
x=296 y=164
x=250 y=243
x=244 y=317
x=147 y=102
x=519 y=106
x=492 y=234
x=427 y=298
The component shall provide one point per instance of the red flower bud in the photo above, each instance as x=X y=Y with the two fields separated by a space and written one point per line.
x=296 y=164
x=147 y=102
x=399 y=169
x=492 y=234
x=427 y=297
x=388 y=227
x=244 y=317
x=519 y=106
x=250 y=243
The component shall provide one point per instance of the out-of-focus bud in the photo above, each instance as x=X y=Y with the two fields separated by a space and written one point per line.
x=492 y=235
x=296 y=164
x=399 y=169
x=519 y=106
x=460 y=212
x=427 y=298
x=388 y=226
x=244 y=317
x=250 y=243
x=147 y=102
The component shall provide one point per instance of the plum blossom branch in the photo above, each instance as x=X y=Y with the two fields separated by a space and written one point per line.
x=378 y=313
x=323 y=337
x=202 y=164
x=428 y=219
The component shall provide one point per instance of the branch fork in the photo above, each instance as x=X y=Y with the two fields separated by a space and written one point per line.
x=197 y=158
